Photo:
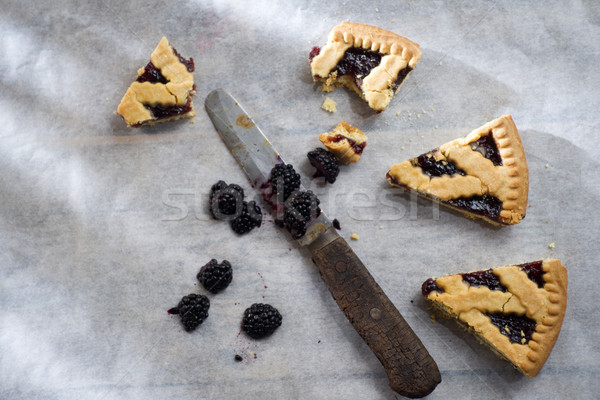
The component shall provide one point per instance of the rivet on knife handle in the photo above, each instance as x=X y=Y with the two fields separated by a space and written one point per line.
x=410 y=369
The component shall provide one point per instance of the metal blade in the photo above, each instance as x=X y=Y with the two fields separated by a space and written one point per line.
x=251 y=148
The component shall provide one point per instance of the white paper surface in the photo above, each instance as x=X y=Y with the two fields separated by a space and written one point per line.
x=103 y=228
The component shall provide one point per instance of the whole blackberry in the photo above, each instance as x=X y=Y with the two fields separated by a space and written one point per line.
x=224 y=200
x=325 y=162
x=284 y=180
x=300 y=208
x=250 y=218
x=193 y=310
x=214 y=276
x=261 y=320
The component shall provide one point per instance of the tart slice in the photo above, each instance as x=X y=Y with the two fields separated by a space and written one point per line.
x=482 y=175
x=369 y=60
x=515 y=310
x=345 y=141
x=162 y=91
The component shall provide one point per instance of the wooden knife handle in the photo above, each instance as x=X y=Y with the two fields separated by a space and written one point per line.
x=410 y=369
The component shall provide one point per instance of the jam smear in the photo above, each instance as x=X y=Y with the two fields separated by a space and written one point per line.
x=486 y=145
x=314 y=52
x=358 y=62
x=152 y=74
x=435 y=168
x=161 y=112
x=357 y=147
x=429 y=286
x=487 y=206
x=189 y=64
x=484 y=278
x=518 y=328
x=534 y=272
x=402 y=74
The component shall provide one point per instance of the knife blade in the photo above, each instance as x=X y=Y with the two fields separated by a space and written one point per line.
x=410 y=369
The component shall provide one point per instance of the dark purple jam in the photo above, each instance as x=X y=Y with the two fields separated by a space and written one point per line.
x=314 y=52
x=402 y=74
x=486 y=145
x=429 y=286
x=357 y=147
x=484 y=278
x=534 y=272
x=515 y=327
x=162 y=112
x=336 y=224
x=435 y=168
x=487 y=206
x=152 y=74
x=358 y=62
x=189 y=64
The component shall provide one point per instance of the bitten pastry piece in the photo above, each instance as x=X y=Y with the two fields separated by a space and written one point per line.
x=515 y=310
x=162 y=91
x=345 y=141
x=369 y=60
x=482 y=175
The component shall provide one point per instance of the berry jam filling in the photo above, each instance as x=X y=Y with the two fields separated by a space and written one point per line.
x=486 y=145
x=152 y=74
x=429 y=286
x=401 y=77
x=357 y=147
x=487 y=206
x=314 y=52
x=435 y=168
x=162 y=112
x=483 y=278
x=534 y=272
x=358 y=62
x=189 y=64
x=518 y=328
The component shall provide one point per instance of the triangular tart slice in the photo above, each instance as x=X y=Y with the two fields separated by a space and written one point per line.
x=515 y=310
x=482 y=175
x=162 y=91
x=369 y=60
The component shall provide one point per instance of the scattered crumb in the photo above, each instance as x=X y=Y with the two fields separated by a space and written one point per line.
x=506 y=329
x=440 y=63
x=329 y=105
x=547 y=166
x=432 y=317
x=376 y=9
x=354 y=236
x=551 y=246
x=380 y=226
x=193 y=121
x=378 y=17
x=523 y=341
x=529 y=205
x=522 y=334
x=547 y=221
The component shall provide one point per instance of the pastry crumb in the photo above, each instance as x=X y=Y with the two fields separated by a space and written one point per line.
x=354 y=236
x=329 y=105
x=547 y=166
x=380 y=226
x=551 y=246
x=192 y=121
x=432 y=317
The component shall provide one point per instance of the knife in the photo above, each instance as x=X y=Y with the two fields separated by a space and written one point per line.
x=410 y=369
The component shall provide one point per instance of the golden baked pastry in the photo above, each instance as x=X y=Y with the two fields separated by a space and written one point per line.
x=369 y=60
x=515 y=310
x=345 y=141
x=482 y=175
x=162 y=91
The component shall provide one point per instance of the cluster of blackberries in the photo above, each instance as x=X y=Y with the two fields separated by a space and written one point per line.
x=299 y=207
x=259 y=320
x=227 y=203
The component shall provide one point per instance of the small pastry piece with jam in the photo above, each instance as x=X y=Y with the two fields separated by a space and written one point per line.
x=345 y=141
x=371 y=61
x=162 y=91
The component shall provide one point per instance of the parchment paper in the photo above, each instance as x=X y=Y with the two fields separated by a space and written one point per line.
x=103 y=228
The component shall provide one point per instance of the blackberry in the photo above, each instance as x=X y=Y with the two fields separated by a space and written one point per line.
x=214 y=276
x=250 y=218
x=261 y=320
x=193 y=310
x=300 y=209
x=283 y=178
x=325 y=162
x=224 y=200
